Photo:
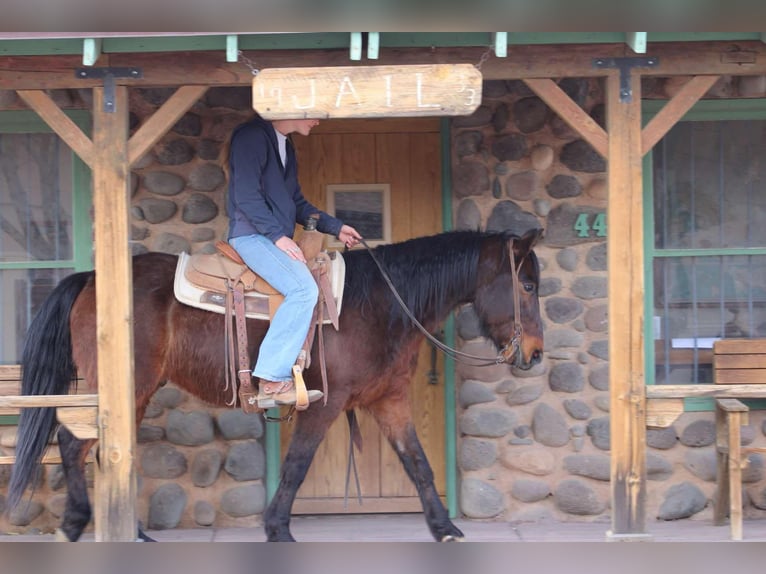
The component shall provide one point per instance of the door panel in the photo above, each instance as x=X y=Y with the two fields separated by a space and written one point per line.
x=377 y=151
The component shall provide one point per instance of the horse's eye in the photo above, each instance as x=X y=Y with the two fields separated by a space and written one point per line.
x=529 y=287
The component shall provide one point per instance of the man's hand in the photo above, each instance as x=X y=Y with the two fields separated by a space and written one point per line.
x=349 y=236
x=290 y=247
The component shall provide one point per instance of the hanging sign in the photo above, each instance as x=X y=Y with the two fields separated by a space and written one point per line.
x=367 y=91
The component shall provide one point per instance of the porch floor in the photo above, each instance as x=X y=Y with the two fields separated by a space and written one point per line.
x=412 y=528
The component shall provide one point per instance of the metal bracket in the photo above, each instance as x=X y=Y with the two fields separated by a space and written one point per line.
x=625 y=65
x=108 y=75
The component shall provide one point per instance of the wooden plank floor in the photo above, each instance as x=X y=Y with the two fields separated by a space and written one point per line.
x=412 y=528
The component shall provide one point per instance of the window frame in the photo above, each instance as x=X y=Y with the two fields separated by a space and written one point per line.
x=28 y=122
x=704 y=110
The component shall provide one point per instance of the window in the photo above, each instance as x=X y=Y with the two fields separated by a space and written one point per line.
x=45 y=228
x=706 y=237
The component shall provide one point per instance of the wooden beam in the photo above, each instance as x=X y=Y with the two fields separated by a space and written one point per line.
x=636 y=41
x=91 y=51
x=674 y=110
x=115 y=485
x=355 y=46
x=162 y=120
x=529 y=61
x=625 y=264
x=59 y=122
x=232 y=48
x=373 y=45
x=21 y=401
x=743 y=391
x=571 y=113
x=80 y=421
x=500 y=43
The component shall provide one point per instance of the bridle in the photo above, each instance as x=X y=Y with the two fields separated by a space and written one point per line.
x=508 y=351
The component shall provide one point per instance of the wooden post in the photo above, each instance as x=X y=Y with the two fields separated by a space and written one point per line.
x=115 y=485
x=625 y=264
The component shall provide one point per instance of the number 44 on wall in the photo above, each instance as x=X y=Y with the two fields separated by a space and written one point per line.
x=586 y=229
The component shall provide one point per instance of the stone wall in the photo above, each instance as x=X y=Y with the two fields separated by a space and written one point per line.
x=532 y=445
x=535 y=445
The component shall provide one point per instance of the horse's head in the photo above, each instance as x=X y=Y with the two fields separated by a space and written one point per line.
x=507 y=301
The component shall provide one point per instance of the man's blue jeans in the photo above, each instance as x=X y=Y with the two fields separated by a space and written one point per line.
x=291 y=322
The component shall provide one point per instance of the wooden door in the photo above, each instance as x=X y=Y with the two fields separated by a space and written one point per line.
x=404 y=153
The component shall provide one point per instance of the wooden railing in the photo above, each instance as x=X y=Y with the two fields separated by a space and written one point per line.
x=78 y=412
x=739 y=372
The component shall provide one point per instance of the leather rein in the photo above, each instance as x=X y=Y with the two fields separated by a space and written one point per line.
x=506 y=353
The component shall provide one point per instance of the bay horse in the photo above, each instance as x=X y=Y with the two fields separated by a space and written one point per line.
x=370 y=360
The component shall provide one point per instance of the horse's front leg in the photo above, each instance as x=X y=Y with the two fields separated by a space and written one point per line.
x=310 y=429
x=393 y=416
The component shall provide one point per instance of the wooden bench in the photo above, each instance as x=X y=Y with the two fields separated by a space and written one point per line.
x=739 y=372
x=78 y=412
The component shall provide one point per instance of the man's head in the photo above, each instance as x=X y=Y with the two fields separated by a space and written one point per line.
x=300 y=126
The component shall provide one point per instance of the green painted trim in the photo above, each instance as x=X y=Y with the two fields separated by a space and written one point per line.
x=373 y=45
x=28 y=122
x=647 y=176
x=164 y=44
x=273 y=454
x=500 y=42
x=82 y=224
x=245 y=41
x=310 y=41
x=671 y=253
x=232 y=48
x=532 y=38
x=328 y=40
x=91 y=51
x=450 y=403
x=60 y=47
x=355 y=46
x=701 y=36
x=713 y=110
x=62 y=264
x=636 y=41
x=11 y=420
x=437 y=39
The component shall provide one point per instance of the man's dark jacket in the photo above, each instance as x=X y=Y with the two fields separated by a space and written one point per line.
x=265 y=198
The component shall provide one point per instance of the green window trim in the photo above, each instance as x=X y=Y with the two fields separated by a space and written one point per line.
x=704 y=110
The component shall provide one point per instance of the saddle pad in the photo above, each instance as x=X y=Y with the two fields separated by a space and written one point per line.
x=256 y=304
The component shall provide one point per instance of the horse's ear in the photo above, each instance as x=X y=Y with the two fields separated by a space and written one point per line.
x=524 y=245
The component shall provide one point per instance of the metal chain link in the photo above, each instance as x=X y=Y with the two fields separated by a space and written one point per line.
x=248 y=62
x=485 y=57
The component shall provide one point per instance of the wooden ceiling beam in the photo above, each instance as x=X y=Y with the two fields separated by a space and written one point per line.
x=568 y=110
x=674 y=110
x=522 y=62
x=59 y=122
x=162 y=120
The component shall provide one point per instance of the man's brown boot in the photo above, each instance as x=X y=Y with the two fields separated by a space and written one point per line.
x=276 y=394
x=248 y=398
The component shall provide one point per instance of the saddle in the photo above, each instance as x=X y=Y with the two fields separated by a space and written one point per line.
x=221 y=282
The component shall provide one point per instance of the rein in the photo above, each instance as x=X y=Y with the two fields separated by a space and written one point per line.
x=507 y=352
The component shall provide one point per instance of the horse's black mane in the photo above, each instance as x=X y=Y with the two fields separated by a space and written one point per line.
x=428 y=272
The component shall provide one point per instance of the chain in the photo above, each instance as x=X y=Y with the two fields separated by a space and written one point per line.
x=484 y=57
x=248 y=62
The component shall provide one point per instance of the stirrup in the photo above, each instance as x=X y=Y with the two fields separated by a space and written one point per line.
x=288 y=398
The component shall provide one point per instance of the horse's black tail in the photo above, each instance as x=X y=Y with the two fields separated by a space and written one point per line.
x=47 y=368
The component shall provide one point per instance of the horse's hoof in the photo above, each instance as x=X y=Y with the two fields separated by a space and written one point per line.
x=59 y=536
x=143 y=537
x=452 y=538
